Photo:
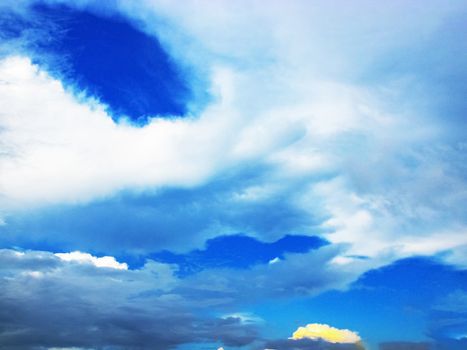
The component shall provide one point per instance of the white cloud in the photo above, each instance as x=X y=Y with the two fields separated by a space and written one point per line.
x=33 y=274
x=62 y=148
x=274 y=261
x=104 y=261
x=290 y=93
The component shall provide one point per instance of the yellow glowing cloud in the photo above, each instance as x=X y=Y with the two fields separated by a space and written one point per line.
x=330 y=334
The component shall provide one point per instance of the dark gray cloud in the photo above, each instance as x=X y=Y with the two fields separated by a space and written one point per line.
x=450 y=344
x=436 y=344
x=13 y=260
x=308 y=344
x=401 y=345
x=48 y=302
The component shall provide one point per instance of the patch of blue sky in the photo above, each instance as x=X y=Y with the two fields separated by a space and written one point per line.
x=238 y=251
x=133 y=225
x=395 y=302
x=109 y=58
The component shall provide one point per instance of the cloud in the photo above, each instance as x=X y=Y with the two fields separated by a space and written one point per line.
x=327 y=333
x=450 y=344
x=274 y=261
x=48 y=302
x=455 y=301
x=56 y=296
x=83 y=138
x=404 y=346
x=265 y=281
x=309 y=344
x=362 y=158
x=137 y=223
x=105 y=261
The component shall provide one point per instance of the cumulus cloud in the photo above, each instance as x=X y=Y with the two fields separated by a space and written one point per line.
x=327 y=333
x=316 y=336
x=104 y=261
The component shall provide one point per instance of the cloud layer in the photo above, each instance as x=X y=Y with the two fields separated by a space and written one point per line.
x=79 y=300
x=365 y=157
x=50 y=302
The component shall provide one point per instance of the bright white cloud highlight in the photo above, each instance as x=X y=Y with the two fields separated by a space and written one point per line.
x=274 y=261
x=86 y=258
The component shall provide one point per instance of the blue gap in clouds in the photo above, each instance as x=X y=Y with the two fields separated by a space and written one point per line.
x=136 y=226
x=106 y=56
x=394 y=303
x=238 y=251
x=132 y=226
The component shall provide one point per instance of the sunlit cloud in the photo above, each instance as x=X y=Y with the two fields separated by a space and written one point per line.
x=317 y=331
x=86 y=258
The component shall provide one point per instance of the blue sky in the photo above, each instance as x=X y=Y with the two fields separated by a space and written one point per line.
x=206 y=175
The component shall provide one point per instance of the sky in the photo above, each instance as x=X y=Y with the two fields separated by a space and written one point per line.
x=233 y=175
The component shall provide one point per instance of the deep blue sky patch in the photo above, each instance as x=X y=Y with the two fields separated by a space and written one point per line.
x=238 y=251
x=398 y=301
x=172 y=218
x=107 y=57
